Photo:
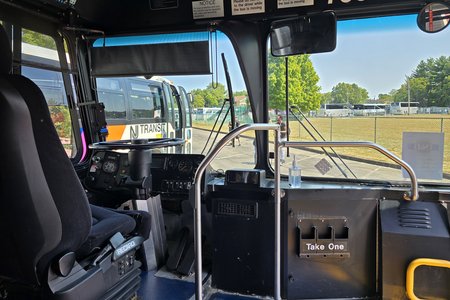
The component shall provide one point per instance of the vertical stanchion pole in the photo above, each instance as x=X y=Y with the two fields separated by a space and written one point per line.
x=287 y=103
x=277 y=195
x=198 y=244
x=197 y=186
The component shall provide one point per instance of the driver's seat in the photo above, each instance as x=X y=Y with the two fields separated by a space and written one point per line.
x=50 y=248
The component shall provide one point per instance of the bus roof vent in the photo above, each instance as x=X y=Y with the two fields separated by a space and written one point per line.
x=414 y=217
x=163 y=4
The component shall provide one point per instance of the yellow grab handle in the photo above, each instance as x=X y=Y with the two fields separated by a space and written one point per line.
x=417 y=263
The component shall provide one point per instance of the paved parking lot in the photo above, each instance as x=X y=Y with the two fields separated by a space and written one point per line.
x=243 y=157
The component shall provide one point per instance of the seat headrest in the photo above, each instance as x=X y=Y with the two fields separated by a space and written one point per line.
x=5 y=52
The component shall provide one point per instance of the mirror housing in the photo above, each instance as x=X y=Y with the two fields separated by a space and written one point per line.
x=190 y=97
x=434 y=17
x=303 y=35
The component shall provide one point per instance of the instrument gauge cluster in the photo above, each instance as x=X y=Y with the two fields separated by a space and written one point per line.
x=173 y=163
x=110 y=166
x=185 y=166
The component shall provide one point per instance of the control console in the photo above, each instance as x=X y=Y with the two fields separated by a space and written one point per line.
x=171 y=173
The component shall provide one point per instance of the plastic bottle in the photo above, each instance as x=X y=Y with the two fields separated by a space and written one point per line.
x=295 y=174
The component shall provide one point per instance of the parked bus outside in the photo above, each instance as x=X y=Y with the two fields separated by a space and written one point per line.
x=204 y=113
x=367 y=109
x=404 y=108
x=334 y=110
x=137 y=108
x=134 y=107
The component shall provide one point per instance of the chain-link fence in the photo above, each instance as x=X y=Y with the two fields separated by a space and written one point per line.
x=206 y=119
x=385 y=131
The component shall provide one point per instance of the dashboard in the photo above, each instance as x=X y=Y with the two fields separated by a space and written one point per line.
x=172 y=174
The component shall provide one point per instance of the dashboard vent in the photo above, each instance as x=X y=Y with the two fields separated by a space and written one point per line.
x=415 y=218
x=163 y=4
x=237 y=209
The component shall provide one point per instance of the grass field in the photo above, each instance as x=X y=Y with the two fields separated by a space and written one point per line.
x=385 y=131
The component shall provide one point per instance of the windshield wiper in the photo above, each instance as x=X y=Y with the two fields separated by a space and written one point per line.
x=323 y=139
x=230 y=100
x=214 y=127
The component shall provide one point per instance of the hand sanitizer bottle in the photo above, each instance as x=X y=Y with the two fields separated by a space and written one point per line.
x=295 y=174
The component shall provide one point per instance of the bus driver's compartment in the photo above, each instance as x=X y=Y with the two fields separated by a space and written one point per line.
x=283 y=213
x=55 y=244
x=158 y=182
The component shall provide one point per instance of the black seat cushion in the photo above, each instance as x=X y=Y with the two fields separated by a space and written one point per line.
x=105 y=223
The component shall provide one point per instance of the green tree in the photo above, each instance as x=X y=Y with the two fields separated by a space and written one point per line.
x=38 y=39
x=61 y=119
x=304 y=90
x=326 y=98
x=349 y=93
x=199 y=99
x=240 y=93
x=418 y=91
x=387 y=98
x=435 y=75
x=214 y=96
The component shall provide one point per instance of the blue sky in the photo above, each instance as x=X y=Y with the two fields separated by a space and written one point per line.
x=380 y=54
x=374 y=53
x=377 y=56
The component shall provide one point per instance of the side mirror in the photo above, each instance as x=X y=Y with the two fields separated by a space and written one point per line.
x=434 y=17
x=305 y=34
x=190 y=97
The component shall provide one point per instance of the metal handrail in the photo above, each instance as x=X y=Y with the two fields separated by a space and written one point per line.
x=413 y=195
x=197 y=208
x=430 y=262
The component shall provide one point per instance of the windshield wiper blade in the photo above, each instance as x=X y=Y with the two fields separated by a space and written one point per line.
x=323 y=139
x=230 y=100
x=214 y=127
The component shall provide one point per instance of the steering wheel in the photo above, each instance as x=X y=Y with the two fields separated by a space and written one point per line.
x=138 y=144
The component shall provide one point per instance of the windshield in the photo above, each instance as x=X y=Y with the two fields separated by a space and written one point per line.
x=151 y=107
x=387 y=82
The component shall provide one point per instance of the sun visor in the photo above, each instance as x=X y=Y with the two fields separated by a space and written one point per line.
x=185 y=58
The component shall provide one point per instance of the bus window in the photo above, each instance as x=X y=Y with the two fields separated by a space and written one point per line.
x=136 y=108
x=114 y=105
x=141 y=107
x=111 y=94
x=386 y=105
x=176 y=116
x=141 y=101
x=207 y=99
x=40 y=63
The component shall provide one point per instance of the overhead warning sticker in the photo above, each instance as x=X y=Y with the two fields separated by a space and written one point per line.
x=294 y=3
x=245 y=7
x=207 y=9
